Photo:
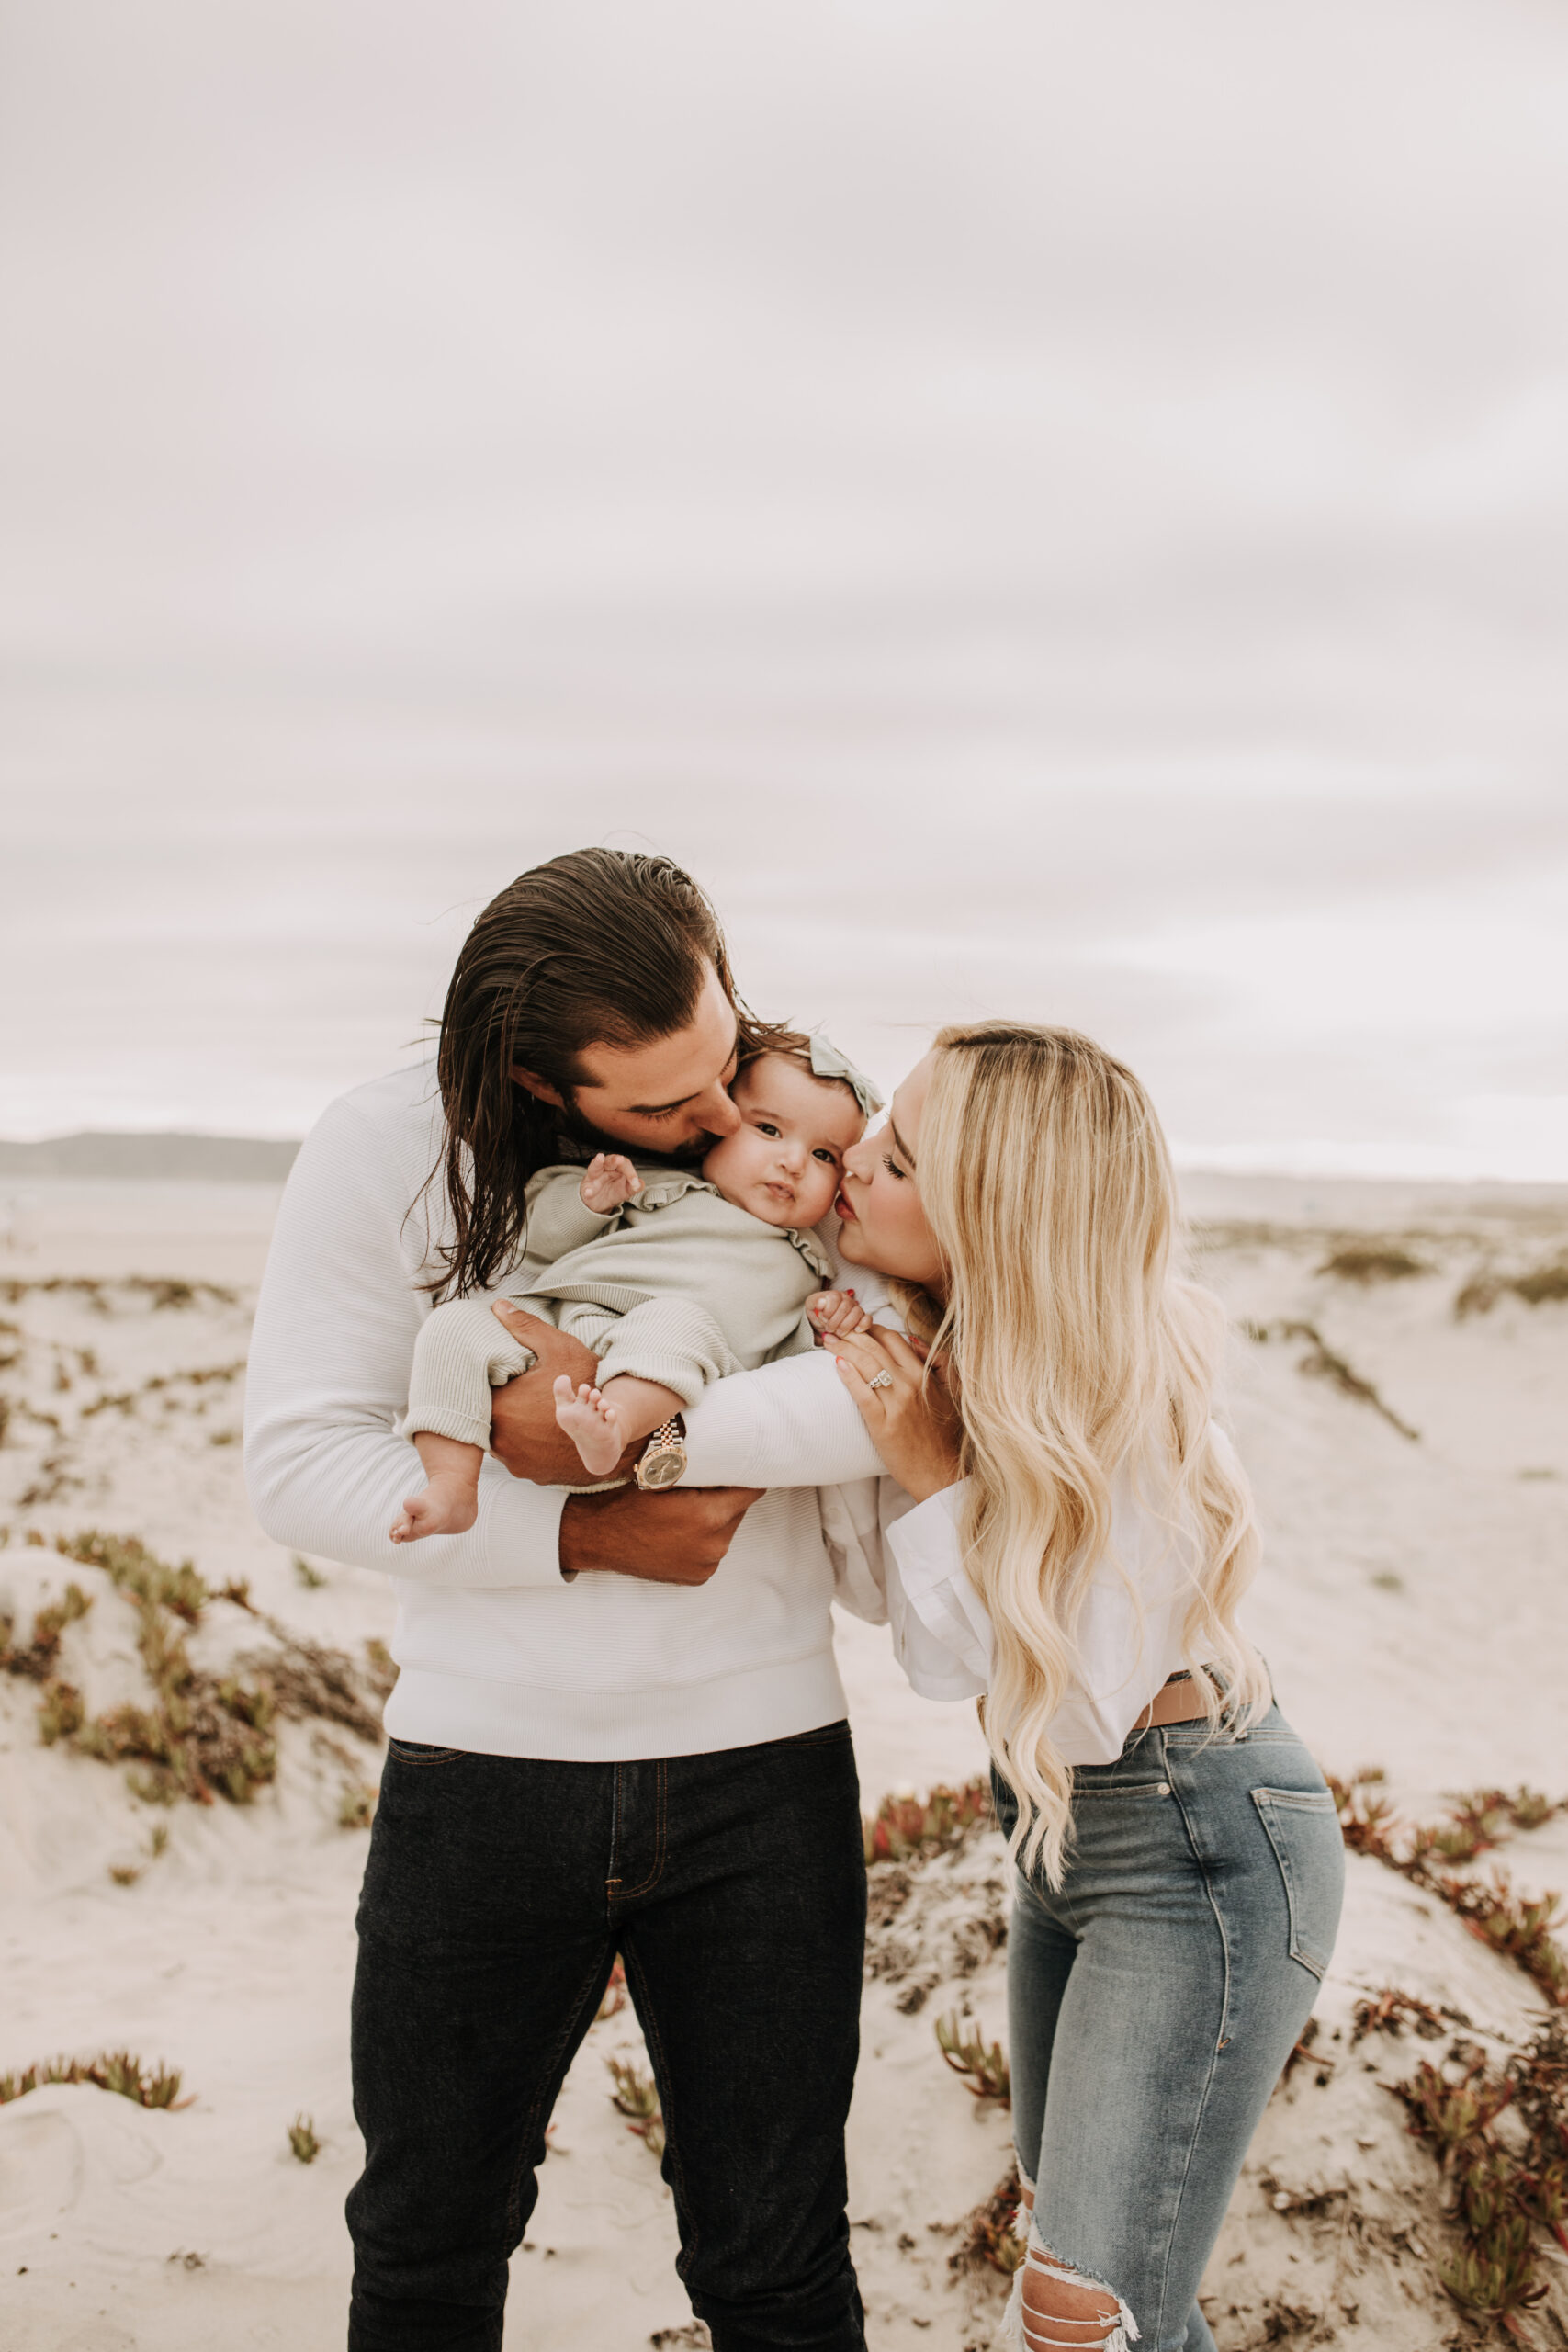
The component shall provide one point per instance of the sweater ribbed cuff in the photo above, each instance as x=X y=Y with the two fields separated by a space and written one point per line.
x=439 y=1422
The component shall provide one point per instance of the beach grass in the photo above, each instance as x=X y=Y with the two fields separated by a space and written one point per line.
x=115 y=2071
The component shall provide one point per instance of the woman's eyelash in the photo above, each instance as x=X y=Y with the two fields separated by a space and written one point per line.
x=892 y=1167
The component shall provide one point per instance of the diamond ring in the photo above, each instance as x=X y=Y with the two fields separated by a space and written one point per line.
x=880 y=1380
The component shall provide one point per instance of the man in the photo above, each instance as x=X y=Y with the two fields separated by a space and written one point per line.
x=597 y=1744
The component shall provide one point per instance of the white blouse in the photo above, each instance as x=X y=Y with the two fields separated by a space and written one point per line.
x=794 y=1423
x=1129 y=1633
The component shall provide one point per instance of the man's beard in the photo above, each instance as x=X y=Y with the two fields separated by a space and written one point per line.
x=578 y=1134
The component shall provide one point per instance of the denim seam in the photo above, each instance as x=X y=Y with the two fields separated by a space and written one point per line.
x=613 y=1875
x=660 y=1810
x=690 y=2235
x=1214 y=2055
x=1292 y=1801
x=531 y=2113
x=1122 y=1789
x=1243 y=1739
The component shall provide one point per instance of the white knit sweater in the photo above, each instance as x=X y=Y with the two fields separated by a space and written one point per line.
x=501 y=1654
x=498 y=1652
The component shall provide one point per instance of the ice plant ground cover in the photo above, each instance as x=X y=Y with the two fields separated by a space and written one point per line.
x=216 y=1938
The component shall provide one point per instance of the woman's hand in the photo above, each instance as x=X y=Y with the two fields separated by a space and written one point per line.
x=913 y=1421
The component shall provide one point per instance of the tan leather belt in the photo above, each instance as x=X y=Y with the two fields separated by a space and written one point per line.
x=1176 y=1703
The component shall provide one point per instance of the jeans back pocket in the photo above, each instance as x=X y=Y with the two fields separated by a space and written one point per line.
x=1302 y=1828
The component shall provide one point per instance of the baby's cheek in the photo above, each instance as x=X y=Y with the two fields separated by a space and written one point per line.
x=817 y=1194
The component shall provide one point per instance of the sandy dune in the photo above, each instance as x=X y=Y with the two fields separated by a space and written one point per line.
x=1413 y=1605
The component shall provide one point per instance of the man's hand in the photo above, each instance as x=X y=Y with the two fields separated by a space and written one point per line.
x=677 y=1537
x=524 y=1434
x=670 y=1538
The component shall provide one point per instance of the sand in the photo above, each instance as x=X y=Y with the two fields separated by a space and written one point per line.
x=1412 y=1608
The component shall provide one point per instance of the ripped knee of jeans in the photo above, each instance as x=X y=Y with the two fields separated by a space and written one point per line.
x=1058 y=2309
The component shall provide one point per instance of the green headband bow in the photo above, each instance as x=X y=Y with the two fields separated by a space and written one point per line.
x=827 y=1061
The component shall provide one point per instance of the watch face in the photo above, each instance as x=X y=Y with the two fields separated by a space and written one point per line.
x=662 y=1469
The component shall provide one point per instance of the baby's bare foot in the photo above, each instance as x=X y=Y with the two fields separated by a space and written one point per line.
x=447 y=1506
x=593 y=1426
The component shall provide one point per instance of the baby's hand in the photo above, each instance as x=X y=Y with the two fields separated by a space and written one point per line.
x=609 y=1181
x=837 y=1315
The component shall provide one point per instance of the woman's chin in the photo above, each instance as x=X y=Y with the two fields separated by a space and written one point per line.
x=852 y=1242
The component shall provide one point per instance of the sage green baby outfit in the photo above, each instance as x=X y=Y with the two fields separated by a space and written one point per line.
x=678 y=1285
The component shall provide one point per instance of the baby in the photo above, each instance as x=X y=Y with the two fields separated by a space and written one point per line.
x=673 y=1278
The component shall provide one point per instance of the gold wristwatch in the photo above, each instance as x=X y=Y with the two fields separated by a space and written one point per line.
x=664 y=1460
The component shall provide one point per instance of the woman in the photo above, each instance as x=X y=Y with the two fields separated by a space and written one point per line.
x=1078 y=1551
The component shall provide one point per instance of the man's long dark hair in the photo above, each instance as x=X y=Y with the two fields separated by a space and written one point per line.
x=602 y=946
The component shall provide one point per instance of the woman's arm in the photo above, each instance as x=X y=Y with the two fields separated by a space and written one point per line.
x=941 y=1635
x=786 y=1424
x=1128 y=1640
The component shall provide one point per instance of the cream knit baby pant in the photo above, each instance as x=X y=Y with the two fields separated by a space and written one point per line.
x=461 y=1354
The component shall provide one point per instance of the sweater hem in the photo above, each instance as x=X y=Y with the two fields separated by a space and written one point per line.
x=744 y=1709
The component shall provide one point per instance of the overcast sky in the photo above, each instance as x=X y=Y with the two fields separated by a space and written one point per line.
x=1055 y=509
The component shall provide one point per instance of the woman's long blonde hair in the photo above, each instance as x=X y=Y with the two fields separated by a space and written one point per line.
x=1078 y=1359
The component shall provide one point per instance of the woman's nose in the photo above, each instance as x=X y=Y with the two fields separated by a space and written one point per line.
x=858 y=1159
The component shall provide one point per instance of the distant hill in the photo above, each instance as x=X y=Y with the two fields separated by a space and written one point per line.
x=255 y=1159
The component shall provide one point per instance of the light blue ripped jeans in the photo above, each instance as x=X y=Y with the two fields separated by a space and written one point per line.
x=1153 y=2002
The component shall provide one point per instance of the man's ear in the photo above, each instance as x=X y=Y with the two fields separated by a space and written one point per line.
x=535 y=1084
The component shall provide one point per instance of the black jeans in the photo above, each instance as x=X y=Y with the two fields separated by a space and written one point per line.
x=498 y=1890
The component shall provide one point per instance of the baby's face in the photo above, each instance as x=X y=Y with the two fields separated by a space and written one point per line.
x=786 y=1161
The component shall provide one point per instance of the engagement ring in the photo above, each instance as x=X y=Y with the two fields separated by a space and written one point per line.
x=880 y=1380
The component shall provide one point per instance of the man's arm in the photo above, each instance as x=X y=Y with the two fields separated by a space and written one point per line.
x=328 y=1377
x=663 y=1538
x=524 y=1434
x=788 y=1424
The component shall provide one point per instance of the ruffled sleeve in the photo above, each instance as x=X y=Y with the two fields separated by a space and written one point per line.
x=661 y=1187
x=811 y=1250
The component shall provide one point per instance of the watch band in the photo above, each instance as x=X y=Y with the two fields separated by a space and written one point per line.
x=664 y=1456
